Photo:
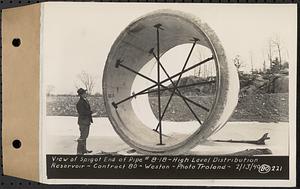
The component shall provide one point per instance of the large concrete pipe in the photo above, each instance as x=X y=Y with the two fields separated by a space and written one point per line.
x=131 y=50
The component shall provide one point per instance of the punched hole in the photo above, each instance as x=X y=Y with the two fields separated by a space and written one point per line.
x=16 y=144
x=16 y=42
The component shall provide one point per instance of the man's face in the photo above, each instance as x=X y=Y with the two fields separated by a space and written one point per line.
x=84 y=95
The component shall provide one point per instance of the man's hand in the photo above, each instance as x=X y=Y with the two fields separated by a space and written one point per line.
x=95 y=113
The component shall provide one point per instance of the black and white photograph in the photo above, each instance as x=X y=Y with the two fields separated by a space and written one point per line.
x=168 y=91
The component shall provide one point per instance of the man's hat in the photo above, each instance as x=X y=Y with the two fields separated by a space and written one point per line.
x=81 y=91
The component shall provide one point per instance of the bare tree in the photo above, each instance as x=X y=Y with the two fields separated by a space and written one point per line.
x=270 y=53
x=198 y=71
x=264 y=66
x=275 y=49
x=275 y=41
x=87 y=80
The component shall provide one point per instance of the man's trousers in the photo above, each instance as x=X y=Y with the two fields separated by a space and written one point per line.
x=84 y=133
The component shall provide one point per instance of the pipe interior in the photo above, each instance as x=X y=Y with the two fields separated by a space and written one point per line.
x=132 y=47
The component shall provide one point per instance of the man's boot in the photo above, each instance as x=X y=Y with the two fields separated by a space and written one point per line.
x=85 y=150
x=80 y=146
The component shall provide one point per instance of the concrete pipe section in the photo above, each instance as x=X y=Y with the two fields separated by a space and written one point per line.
x=139 y=50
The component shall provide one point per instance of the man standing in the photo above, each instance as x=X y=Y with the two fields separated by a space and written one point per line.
x=84 y=121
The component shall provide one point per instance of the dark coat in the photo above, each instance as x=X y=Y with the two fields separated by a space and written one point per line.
x=84 y=112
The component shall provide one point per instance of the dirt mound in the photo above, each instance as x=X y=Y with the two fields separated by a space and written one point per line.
x=275 y=83
x=259 y=107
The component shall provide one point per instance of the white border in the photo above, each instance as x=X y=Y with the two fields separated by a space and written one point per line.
x=176 y=182
x=42 y=159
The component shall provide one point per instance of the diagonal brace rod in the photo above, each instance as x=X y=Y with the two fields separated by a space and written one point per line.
x=163 y=81
x=137 y=73
x=165 y=88
x=175 y=88
x=180 y=86
x=180 y=75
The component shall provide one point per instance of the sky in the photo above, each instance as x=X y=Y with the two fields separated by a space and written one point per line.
x=77 y=36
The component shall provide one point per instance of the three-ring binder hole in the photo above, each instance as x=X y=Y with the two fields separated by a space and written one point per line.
x=16 y=144
x=16 y=42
